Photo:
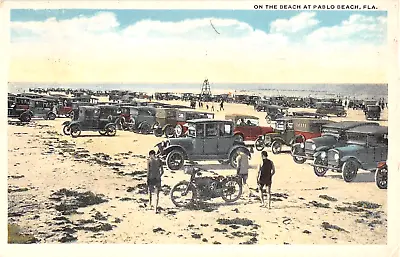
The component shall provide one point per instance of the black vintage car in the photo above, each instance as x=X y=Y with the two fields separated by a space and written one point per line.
x=92 y=118
x=331 y=108
x=333 y=134
x=372 y=112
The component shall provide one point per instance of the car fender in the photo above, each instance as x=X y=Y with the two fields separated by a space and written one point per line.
x=170 y=148
x=167 y=125
x=346 y=158
x=322 y=148
x=240 y=146
x=318 y=153
x=66 y=123
x=296 y=146
x=239 y=133
x=75 y=124
x=297 y=137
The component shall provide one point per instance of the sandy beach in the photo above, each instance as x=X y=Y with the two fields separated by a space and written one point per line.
x=305 y=209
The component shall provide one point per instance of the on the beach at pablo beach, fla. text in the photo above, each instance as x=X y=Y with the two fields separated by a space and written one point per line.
x=314 y=7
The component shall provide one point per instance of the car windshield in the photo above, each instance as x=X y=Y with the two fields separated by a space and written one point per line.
x=356 y=138
x=374 y=108
x=22 y=101
x=247 y=122
x=330 y=132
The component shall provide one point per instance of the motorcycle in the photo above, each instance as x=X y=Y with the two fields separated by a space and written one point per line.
x=204 y=188
x=381 y=175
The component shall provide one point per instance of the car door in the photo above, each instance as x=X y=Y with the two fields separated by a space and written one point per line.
x=225 y=139
x=197 y=135
x=211 y=139
x=95 y=119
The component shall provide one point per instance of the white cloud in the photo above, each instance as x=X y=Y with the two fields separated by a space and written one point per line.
x=357 y=29
x=300 y=22
x=193 y=43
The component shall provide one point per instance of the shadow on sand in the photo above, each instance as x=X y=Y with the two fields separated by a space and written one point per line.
x=364 y=177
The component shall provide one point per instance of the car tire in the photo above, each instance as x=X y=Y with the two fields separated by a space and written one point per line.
x=169 y=131
x=259 y=144
x=111 y=130
x=66 y=130
x=319 y=171
x=145 y=128
x=173 y=157
x=349 y=170
x=158 y=132
x=276 y=147
x=381 y=179
x=296 y=159
x=51 y=116
x=232 y=158
x=75 y=131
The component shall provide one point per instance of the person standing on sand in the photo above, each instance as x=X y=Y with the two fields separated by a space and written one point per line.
x=221 y=105
x=242 y=161
x=264 y=178
x=154 y=172
x=212 y=106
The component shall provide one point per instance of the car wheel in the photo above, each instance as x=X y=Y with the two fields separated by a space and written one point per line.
x=71 y=114
x=178 y=130
x=51 y=116
x=175 y=160
x=259 y=144
x=320 y=171
x=75 y=131
x=102 y=132
x=295 y=155
x=145 y=128
x=238 y=138
x=349 y=170
x=276 y=147
x=111 y=130
x=233 y=157
x=66 y=130
x=381 y=178
x=169 y=131
x=158 y=132
x=183 y=194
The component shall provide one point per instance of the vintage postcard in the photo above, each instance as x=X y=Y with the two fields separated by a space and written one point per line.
x=186 y=123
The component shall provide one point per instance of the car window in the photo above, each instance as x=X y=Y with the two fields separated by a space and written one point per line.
x=181 y=115
x=225 y=129
x=211 y=129
x=200 y=130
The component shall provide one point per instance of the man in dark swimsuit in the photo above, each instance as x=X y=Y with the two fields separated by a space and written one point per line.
x=264 y=178
x=154 y=173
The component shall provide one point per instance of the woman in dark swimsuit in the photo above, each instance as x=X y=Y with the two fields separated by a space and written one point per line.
x=264 y=178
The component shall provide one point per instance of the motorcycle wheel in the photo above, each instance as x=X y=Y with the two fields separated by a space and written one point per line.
x=177 y=192
x=230 y=193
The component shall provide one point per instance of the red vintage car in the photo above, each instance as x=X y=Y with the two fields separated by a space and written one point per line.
x=182 y=116
x=247 y=127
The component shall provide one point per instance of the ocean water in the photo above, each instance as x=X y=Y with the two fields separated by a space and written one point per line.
x=358 y=91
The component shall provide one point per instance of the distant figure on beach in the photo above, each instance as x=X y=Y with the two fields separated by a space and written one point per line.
x=264 y=178
x=207 y=106
x=154 y=173
x=243 y=169
x=212 y=107
x=221 y=105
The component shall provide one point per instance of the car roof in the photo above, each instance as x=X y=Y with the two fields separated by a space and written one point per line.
x=207 y=121
x=349 y=124
x=88 y=107
x=241 y=116
x=107 y=106
x=277 y=106
x=369 y=130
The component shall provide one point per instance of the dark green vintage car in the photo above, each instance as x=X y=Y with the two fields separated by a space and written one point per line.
x=206 y=139
x=365 y=148
x=372 y=112
x=333 y=135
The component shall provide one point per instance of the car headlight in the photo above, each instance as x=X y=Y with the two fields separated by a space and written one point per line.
x=336 y=156
x=313 y=147
x=323 y=155
x=302 y=145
